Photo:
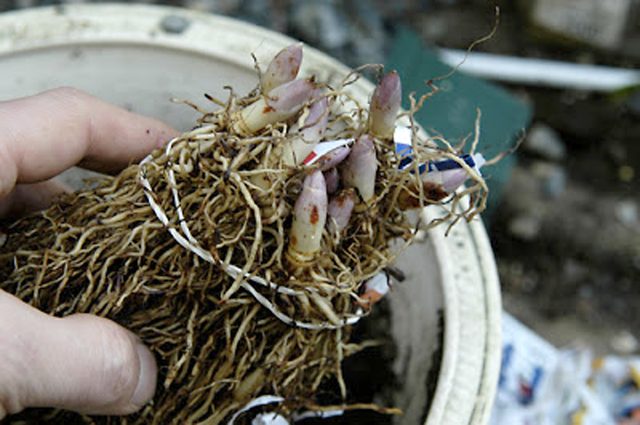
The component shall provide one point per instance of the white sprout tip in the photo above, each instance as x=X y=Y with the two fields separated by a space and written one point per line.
x=385 y=104
x=340 y=210
x=359 y=169
x=310 y=215
x=283 y=68
x=281 y=104
x=297 y=149
x=317 y=120
x=334 y=158
x=291 y=96
x=332 y=180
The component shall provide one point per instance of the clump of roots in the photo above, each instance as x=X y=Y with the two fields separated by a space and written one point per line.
x=189 y=253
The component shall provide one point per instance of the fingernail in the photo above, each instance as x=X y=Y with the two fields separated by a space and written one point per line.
x=147 y=379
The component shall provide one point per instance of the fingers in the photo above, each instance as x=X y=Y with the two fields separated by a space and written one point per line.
x=45 y=134
x=81 y=363
x=26 y=198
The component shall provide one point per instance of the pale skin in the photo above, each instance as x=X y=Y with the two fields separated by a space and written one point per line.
x=81 y=362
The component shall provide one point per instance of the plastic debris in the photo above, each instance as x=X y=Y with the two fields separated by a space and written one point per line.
x=256 y=402
x=272 y=418
x=269 y=418
x=375 y=289
x=543 y=385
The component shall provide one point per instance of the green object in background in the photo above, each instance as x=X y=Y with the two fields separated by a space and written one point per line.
x=452 y=111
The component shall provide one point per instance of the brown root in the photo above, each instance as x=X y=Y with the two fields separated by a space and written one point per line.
x=186 y=252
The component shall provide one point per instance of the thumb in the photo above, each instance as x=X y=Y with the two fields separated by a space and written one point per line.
x=81 y=362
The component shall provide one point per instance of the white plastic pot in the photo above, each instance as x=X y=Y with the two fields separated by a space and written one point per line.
x=140 y=56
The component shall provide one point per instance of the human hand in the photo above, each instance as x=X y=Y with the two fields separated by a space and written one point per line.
x=81 y=362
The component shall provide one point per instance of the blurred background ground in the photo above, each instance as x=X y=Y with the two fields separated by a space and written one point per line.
x=566 y=228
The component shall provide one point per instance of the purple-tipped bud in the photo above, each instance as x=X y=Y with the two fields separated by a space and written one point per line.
x=296 y=150
x=310 y=215
x=359 y=170
x=385 y=104
x=437 y=185
x=409 y=199
x=334 y=158
x=332 y=178
x=450 y=180
x=340 y=209
x=283 y=68
x=316 y=122
x=290 y=97
x=281 y=104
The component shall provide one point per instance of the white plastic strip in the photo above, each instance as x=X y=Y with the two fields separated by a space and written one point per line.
x=309 y=414
x=541 y=72
x=256 y=402
x=271 y=418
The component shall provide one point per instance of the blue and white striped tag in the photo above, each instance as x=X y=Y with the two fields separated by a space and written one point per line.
x=402 y=141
